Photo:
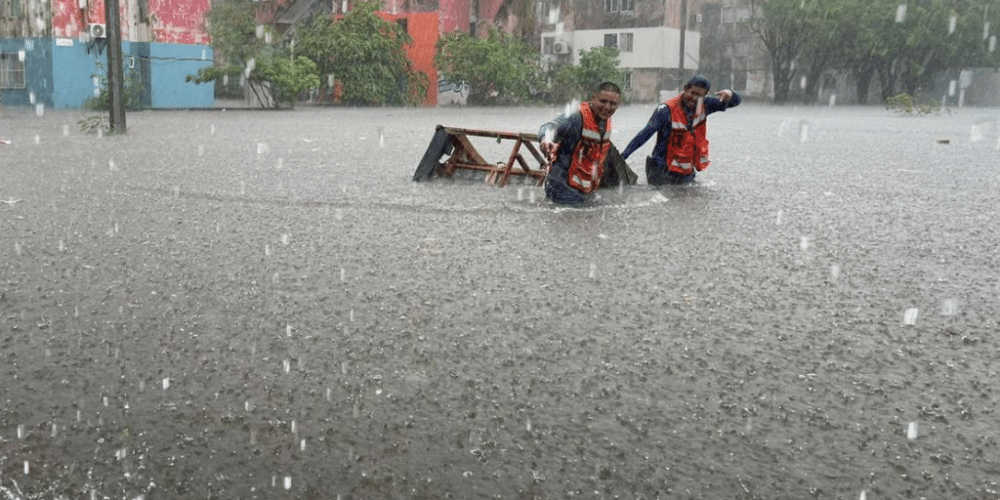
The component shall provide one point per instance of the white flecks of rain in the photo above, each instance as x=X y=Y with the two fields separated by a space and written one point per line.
x=952 y=23
x=166 y=383
x=287 y=366
x=288 y=330
x=38 y=139
x=343 y=275
x=975 y=134
x=863 y=495
x=777 y=221
x=262 y=148
x=381 y=137
x=65 y=130
x=593 y=270
x=267 y=250
x=901 y=13
x=284 y=239
x=912 y=431
x=949 y=307
x=281 y=163
x=243 y=188
x=833 y=100
x=351 y=315
x=910 y=316
x=803 y=131
x=111 y=166
x=20 y=431
x=804 y=243
x=834 y=272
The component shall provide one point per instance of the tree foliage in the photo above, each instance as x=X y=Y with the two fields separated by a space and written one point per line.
x=598 y=64
x=906 y=45
x=366 y=54
x=498 y=68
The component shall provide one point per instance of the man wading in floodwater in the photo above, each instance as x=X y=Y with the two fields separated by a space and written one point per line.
x=680 y=124
x=577 y=144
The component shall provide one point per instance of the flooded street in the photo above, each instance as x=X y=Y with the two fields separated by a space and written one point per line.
x=262 y=304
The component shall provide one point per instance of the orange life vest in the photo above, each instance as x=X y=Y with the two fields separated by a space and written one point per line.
x=587 y=164
x=688 y=148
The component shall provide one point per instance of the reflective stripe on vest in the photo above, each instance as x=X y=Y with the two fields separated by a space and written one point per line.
x=587 y=160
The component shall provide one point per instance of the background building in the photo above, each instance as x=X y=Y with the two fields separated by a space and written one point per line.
x=54 y=52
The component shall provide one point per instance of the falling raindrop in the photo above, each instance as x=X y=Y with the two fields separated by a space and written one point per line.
x=952 y=23
x=901 y=13
x=975 y=134
x=288 y=330
x=211 y=129
x=284 y=239
x=381 y=137
x=177 y=192
x=55 y=430
x=39 y=109
x=351 y=316
x=951 y=87
x=910 y=316
x=111 y=166
x=65 y=130
x=294 y=428
x=262 y=148
x=27 y=468
x=248 y=406
x=863 y=495
x=287 y=366
x=166 y=383
x=520 y=194
x=302 y=445
x=833 y=100
x=949 y=307
x=531 y=196
x=17 y=248
x=527 y=424
x=253 y=436
x=343 y=275
x=593 y=271
x=777 y=221
x=281 y=163
x=804 y=243
x=62 y=246
x=329 y=394
x=38 y=139
x=911 y=431
x=243 y=188
x=288 y=482
x=803 y=132
x=343 y=367
x=267 y=250
x=834 y=272
x=20 y=431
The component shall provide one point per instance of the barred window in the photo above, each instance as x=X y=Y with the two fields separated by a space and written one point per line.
x=611 y=40
x=11 y=71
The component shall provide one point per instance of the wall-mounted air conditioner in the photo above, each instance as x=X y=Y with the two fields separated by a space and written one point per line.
x=97 y=30
x=560 y=47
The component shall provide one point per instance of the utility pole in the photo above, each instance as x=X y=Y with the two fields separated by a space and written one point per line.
x=116 y=85
x=684 y=15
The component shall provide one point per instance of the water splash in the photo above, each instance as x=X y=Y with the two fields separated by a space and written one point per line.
x=910 y=316
x=912 y=431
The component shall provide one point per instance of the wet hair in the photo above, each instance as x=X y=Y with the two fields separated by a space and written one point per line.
x=699 y=81
x=610 y=87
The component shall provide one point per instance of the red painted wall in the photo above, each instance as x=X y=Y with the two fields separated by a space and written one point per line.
x=171 y=21
x=423 y=28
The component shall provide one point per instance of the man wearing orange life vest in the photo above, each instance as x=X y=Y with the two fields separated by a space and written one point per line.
x=681 y=148
x=577 y=143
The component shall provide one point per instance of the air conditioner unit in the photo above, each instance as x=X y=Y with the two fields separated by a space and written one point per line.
x=97 y=30
x=560 y=47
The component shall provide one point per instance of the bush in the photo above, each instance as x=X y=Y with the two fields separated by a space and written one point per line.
x=905 y=104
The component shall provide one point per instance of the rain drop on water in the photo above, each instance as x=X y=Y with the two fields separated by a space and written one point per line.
x=910 y=316
x=911 y=431
x=166 y=384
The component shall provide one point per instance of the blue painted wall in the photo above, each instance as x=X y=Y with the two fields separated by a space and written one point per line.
x=63 y=73
x=169 y=64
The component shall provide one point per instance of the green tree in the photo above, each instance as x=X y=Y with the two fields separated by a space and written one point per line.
x=784 y=28
x=499 y=68
x=366 y=54
x=597 y=64
x=286 y=78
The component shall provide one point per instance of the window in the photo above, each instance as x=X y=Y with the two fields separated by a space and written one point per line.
x=625 y=42
x=143 y=10
x=11 y=71
x=619 y=5
x=611 y=40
